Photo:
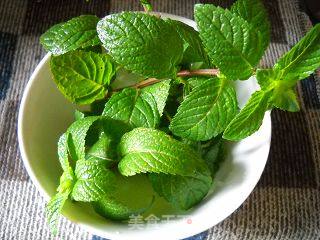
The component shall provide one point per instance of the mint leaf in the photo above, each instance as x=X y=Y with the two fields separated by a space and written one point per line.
x=56 y=203
x=54 y=209
x=110 y=208
x=303 y=58
x=94 y=180
x=285 y=99
x=160 y=92
x=146 y=5
x=81 y=76
x=136 y=108
x=78 y=132
x=267 y=77
x=63 y=151
x=103 y=149
x=196 y=81
x=256 y=15
x=79 y=32
x=250 y=117
x=232 y=44
x=148 y=150
x=142 y=43
x=182 y=192
x=213 y=152
x=193 y=47
x=206 y=111
x=78 y=115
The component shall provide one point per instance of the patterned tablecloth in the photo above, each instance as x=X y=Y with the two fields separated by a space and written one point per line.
x=284 y=205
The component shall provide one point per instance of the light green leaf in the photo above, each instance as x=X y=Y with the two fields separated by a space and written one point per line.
x=146 y=5
x=232 y=44
x=254 y=12
x=78 y=115
x=303 y=58
x=206 y=111
x=149 y=150
x=103 y=149
x=285 y=99
x=194 y=49
x=55 y=205
x=79 y=32
x=250 y=117
x=54 y=209
x=160 y=92
x=82 y=77
x=63 y=151
x=77 y=139
x=267 y=77
x=94 y=180
x=182 y=192
x=142 y=43
x=110 y=208
x=136 y=108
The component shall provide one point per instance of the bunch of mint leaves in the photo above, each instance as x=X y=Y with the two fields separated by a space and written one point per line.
x=162 y=99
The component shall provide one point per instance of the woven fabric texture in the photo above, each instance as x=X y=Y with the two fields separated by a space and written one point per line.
x=284 y=205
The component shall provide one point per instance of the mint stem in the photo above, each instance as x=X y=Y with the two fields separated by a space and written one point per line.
x=199 y=72
x=182 y=73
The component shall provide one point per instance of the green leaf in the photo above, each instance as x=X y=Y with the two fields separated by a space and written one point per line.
x=149 y=150
x=78 y=115
x=182 y=192
x=194 y=49
x=136 y=108
x=303 y=58
x=146 y=5
x=285 y=99
x=94 y=180
x=213 y=153
x=196 y=81
x=254 y=12
x=81 y=76
x=55 y=205
x=54 y=209
x=110 y=208
x=142 y=43
x=160 y=92
x=78 y=132
x=206 y=111
x=103 y=149
x=267 y=77
x=79 y=32
x=232 y=44
x=63 y=151
x=250 y=117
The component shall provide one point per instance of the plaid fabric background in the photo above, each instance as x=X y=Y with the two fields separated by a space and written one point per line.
x=284 y=205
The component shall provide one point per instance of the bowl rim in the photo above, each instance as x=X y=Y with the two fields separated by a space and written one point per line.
x=27 y=163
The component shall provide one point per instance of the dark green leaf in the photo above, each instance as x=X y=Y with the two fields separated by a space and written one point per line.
x=79 y=32
x=94 y=180
x=250 y=117
x=232 y=44
x=148 y=150
x=303 y=58
x=206 y=111
x=142 y=43
x=136 y=108
x=256 y=15
x=182 y=192
x=81 y=76
x=193 y=47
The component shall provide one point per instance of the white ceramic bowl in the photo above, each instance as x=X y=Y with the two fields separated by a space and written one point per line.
x=45 y=114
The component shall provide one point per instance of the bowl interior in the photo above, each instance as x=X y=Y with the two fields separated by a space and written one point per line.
x=45 y=114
